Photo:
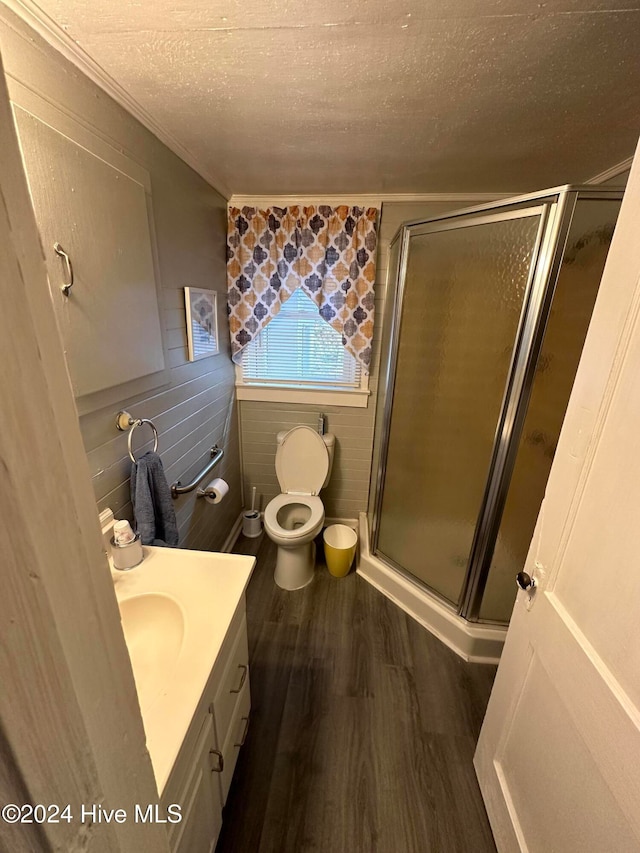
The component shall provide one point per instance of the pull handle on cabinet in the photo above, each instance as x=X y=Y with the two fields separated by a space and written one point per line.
x=219 y=766
x=243 y=678
x=65 y=288
x=244 y=733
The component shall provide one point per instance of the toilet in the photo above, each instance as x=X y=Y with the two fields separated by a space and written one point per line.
x=294 y=518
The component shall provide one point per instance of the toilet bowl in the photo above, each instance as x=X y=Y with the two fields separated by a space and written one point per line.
x=295 y=517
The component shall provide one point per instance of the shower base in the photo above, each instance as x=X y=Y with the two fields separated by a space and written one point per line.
x=473 y=642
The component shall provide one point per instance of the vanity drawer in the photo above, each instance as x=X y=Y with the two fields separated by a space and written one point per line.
x=235 y=739
x=234 y=683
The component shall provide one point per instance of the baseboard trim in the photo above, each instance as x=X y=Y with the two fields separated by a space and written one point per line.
x=232 y=538
x=474 y=643
x=236 y=530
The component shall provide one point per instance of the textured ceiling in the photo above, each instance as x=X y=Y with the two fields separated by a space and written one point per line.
x=375 y=96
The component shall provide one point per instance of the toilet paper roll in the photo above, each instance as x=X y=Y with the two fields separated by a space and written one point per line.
x=216 y=490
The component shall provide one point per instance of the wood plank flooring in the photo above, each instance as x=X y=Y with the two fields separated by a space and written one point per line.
x=363 y=726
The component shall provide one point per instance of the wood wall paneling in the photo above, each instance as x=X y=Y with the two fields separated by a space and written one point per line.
x=195 y=409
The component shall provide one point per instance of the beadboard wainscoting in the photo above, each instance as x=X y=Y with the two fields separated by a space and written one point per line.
x=353 y=428
x=197 y=407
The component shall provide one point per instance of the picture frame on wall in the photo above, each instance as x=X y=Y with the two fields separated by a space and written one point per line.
x=202 y=322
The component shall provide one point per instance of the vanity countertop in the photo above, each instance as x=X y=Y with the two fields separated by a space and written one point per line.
x=176 y=608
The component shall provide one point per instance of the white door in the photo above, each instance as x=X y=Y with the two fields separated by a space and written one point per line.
x=558 y=758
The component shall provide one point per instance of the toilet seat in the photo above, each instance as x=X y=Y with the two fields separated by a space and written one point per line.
x=275 y=505
x=302 y=461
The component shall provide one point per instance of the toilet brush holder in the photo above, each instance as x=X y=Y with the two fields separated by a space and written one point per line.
x=251 y=524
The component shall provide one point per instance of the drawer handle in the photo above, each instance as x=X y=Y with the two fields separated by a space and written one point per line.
x=243 y=678
x=220 y=758
x=244 y=733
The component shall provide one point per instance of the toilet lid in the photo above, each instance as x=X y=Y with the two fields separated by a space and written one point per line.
x=302 y=462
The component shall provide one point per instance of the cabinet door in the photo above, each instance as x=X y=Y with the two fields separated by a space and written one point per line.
x=200 y=801
x=109 y=321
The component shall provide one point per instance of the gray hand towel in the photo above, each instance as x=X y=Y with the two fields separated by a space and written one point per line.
x=152 y=502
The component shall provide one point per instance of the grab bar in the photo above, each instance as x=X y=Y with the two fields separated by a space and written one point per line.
x=177 y=489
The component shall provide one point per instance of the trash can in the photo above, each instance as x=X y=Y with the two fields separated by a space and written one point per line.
x=339 y=548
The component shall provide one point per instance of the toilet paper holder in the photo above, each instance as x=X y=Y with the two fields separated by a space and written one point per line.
x=215 y=491
x=178 y=489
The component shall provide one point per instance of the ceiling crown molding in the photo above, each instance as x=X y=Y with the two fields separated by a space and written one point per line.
x=360 y=199
x=29 y=12
x=611 y=172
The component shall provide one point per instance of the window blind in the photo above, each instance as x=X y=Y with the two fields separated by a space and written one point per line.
x=298 y=347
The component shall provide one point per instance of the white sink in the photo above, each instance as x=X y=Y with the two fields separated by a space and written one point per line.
x=176 y=608
x=154 y=629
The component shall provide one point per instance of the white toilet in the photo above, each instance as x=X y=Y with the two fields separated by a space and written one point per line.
x=293 y=519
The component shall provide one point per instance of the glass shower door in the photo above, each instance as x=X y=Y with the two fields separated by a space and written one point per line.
x=466 y=284
x=587 y=246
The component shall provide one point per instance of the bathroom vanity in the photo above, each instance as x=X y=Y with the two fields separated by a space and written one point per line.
x=186 y=630
x=201 y=775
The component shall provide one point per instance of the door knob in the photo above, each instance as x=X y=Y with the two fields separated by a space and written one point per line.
x=525 y=582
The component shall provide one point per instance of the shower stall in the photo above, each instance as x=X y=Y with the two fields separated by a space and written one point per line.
x=486 y=313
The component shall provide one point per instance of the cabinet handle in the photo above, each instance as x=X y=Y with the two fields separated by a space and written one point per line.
x=243 y=678
x=57 y=248
x=220 y=758
x=244 y=733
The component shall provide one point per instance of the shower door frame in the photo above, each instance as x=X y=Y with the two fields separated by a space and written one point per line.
x=556 y=207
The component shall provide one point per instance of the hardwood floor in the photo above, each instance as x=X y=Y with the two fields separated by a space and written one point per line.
x=363 y=726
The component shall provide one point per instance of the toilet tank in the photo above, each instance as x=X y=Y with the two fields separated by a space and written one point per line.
x=330 y=443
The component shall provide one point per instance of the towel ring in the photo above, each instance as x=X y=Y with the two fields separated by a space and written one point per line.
x=125 y=421
x=138 y=423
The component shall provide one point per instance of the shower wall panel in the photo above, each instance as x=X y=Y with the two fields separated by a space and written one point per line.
x=463 y=297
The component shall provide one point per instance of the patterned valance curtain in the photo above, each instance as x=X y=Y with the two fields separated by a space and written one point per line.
x=329 y=252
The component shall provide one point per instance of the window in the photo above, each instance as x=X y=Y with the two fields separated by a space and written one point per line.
x=297 y=353
x=298 y=346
